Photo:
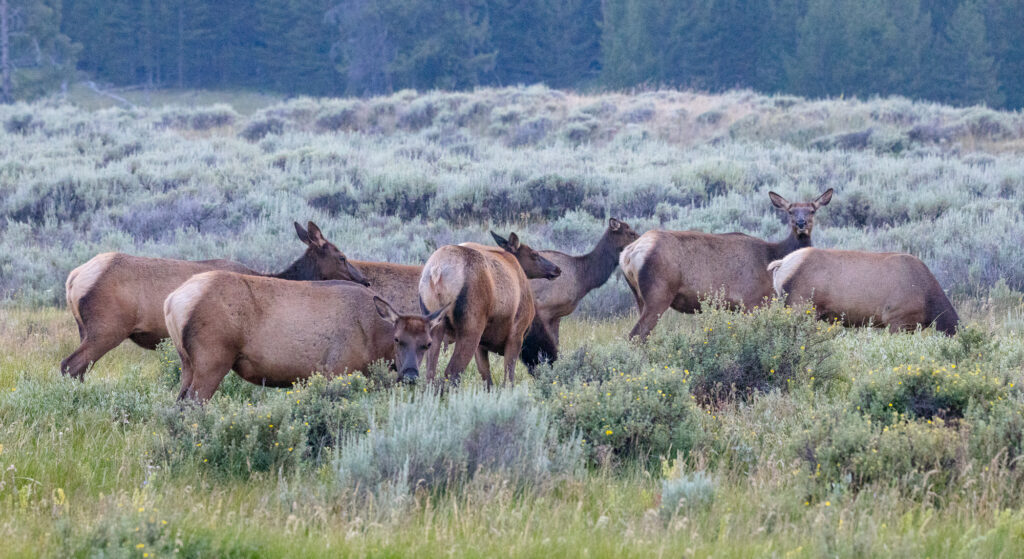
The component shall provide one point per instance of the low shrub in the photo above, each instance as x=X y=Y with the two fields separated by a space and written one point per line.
x=259 y=129
x=275 y=433
x=997 y=432
x=927 y=391
x=630 y=413
x=848 y=451
x=737 y=353
x=437 y=444
x=686 y=493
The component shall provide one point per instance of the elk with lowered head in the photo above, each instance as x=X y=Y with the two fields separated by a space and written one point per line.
x=677 y=268
x=274 y=332
x=885 y=289
x=117 y=296
x=488 y=299
x=558 y=298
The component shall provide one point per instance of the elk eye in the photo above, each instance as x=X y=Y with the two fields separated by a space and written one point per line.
x=426 y=346
x=396 y=341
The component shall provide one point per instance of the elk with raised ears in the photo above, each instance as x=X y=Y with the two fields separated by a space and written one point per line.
x=117 y=296
x=678 y=268
x=489 y=302
x=273 y=332
x=557 y=299
x=886 y=289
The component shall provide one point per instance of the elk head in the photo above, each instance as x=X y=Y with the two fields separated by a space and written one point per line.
x=412 y=337
x=534 y=265
x=325 y=261
x=801 y=214
x=620 y=233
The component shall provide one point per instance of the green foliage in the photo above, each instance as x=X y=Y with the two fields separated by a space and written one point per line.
x=275 y=433
x=686 y=493
x=773 y=347
x=439 y=444
x=623 y=408
x=848 y=451
x=928 y=390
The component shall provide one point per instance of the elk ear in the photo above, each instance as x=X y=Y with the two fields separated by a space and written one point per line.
x=437 y=316
x=302 y=233
x=513 y=241
x=384 y=310
x=500 y=241
x=614 y=224
x=779 y=201
x=824 y=199
x=315 y=235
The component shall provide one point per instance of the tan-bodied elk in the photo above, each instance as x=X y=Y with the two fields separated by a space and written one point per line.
x=886 y=289
x=678 y=268
x=489 y=301
x=274 y=332
x=558 y=298
x=117 y=296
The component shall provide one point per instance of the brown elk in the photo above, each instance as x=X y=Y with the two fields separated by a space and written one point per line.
x=558 y=298
x=397 y=283
x=117 y=296
x=490 y=304
x=274 y=332
x=884 y=289
x=677 y=268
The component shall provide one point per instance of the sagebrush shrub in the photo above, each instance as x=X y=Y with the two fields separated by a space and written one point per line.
x=259 y=129
x=635 y=413
x=848 y=451
x=437 y=444
x=686 y=493
x=729 y=352
x=926 y=390
x=275 y=433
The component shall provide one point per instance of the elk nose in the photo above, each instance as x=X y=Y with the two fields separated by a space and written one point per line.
x=556 y=273
x=410 y=375
x=801 y=223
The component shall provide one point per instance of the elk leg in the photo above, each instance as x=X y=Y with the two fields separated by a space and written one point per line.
x=649 y=317
x=465 y=348
x=483 y=364
x=636 y=295
x=186 y=376
x=206 y=375
x=512 y=348
x=434 y=353
x=90 y=351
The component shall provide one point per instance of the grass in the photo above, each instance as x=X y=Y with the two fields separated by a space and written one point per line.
x=79 y=478
x=772 y=435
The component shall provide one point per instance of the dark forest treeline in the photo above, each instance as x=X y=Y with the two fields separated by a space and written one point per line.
x=955 y=51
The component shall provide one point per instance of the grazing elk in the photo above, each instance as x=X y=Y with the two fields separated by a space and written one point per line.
x=558 y=298
x=397 y=283
x=117 y=296
x=489 y=301
x=274 y=332
x=884 y=289
x=677 y=268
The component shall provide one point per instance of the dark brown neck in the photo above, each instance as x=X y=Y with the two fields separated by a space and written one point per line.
x=302 y=269
x=597 y=265
x=789 y=244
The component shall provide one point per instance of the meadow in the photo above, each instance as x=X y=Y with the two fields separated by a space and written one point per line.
x=727 y=434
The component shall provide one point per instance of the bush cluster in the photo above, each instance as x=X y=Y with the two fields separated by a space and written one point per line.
x=434 y=444
x=276 y=433
x=624 y=407
x=736 y=354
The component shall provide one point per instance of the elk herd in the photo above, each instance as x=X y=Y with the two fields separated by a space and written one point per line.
x=328 y=314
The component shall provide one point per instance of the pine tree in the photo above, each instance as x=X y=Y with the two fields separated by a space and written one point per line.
x=34 y=55
x=964 y=73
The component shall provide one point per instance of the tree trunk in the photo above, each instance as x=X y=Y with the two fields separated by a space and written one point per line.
x=6 y=89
